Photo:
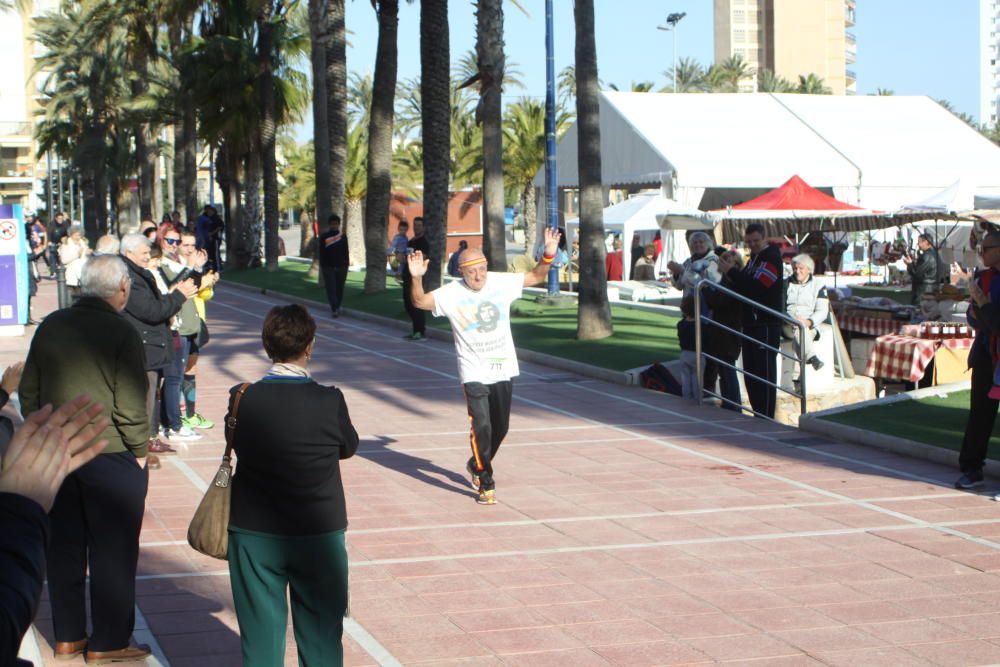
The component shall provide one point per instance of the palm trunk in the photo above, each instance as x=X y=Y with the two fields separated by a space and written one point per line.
x=336 y=105
x=146 y=159
x=253 y=213
x=530 y=215
x=489 y=52
x=380 y=124
x=594 y=312
x=305 y=234
x=157 y=180
x=435 y=93
x=178 y=182
x=354 y=220
x=321 y=132
x=189 y=148
x=267 y=138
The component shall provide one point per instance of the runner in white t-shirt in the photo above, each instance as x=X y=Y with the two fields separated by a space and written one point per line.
x=478 y=307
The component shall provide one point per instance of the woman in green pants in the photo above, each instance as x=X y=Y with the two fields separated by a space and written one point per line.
x=288 y=518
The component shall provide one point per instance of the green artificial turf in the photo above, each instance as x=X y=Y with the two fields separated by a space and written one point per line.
x=640 y=338
x=935 y=420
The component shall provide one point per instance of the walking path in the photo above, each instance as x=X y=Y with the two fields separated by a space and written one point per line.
x=632 y=528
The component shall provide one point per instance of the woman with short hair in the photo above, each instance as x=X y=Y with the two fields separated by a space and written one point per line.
x=703 y=263
x=803 y=302
x=288 y=517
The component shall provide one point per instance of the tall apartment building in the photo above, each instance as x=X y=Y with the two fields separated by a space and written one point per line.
x=20 y=173
x=790 y=38
x=989 y=62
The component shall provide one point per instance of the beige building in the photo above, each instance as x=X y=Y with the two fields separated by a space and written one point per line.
x=790 y=38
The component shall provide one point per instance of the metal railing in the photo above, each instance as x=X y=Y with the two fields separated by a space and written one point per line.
x=783 y=317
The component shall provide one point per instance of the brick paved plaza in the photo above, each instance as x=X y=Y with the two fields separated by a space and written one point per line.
x=632 y=528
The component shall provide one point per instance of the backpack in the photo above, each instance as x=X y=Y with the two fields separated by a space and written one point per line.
x=658 y=378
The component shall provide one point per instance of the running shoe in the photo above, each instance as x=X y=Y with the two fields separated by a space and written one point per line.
x=197 y=421
x=473 y=475
x=970 y=480
x=184 y=433
x=487 y=497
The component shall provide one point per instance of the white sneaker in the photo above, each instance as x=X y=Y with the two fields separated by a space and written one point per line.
x=184 y=433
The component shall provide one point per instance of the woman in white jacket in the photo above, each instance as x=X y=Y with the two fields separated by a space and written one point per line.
x=803 y=302
x=73 y=254
x=703 y=263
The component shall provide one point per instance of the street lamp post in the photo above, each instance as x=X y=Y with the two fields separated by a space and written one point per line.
x=671 y=26
x=551 y=188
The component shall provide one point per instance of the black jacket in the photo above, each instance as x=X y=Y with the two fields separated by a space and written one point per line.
x=726 y=311
x=761 y=280
x=150 y=313
x=926 y=273
x=25 y=530
x=333 y=250
x=288 y=480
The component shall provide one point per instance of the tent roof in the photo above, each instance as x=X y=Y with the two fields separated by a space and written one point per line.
x=795 y=195
x=640 y=210
x=754 y=140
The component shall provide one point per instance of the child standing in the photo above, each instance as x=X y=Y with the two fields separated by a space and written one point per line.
x=686 y=338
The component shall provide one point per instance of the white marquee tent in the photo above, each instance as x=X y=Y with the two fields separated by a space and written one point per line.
x=648 y=213
x=710 y=151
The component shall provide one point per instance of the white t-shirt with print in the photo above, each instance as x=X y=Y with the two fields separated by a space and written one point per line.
x=481 y=322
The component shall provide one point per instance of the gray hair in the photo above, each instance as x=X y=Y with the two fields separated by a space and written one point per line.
x=106 y=245
x=102 y=276
x=806 y=261
x=704 y=237
x=132 y=242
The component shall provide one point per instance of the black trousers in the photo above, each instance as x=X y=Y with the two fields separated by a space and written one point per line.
x=334 y=278
x=982 y=416
x=489 y=414
x=763 y=363
x=96 y=519
x=417 y=315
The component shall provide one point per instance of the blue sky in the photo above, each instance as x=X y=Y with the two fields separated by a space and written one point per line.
x=914 y=47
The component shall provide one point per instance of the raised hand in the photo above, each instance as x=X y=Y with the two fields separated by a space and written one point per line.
x=12 y=377
x=417 y=264
x=551 y=241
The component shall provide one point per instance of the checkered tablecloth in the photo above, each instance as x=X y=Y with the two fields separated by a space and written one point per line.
x=869 y=325
x=906 y=358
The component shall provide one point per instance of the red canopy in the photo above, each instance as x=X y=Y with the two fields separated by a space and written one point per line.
x=795 y=195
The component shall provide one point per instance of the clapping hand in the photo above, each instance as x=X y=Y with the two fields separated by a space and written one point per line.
x=186 y=287
x=12 y=377
x=976 y=293
x=50 y=445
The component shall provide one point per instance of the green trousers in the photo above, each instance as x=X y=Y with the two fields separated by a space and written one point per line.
x=263 y=569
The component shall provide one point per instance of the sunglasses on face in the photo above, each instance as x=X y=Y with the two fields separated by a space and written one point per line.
x=173 y=241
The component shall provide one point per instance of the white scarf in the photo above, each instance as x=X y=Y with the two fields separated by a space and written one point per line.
x=288 y=370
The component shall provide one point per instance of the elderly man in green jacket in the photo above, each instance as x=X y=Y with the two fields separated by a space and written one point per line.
x=97 y=515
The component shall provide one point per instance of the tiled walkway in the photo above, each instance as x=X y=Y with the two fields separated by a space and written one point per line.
x=632 y=529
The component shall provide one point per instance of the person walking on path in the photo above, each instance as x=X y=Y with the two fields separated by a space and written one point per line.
x=760 y=281
x=334 y=259
x=288 y=516
x=90 y=348
x=984 y=317
x=417 y=316
x=478 y=307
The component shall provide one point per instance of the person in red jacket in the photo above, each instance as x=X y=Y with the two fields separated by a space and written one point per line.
x=614 y=263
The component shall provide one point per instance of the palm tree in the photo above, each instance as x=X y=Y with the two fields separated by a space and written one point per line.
x=637 y=87
x=730 y=72
x=524 y=155
x=884 y=92
x=811 y=84
x=689 y=76
x=269 y=14
x=769 y=82
x=594 y=312
x=380 y=131
x=336 y=95
x=567 y=84
x=355 y=190
x=435 y=94
x=321 y=128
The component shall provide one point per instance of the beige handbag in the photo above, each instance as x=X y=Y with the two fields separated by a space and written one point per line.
x=208 y=532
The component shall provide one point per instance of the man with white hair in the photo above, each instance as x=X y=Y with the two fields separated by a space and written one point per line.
x=106 y=245
x=478 y=307
x=149 y=311
x=91 y=349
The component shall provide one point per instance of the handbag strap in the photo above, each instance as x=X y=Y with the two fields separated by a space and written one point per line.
x=231 y=421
